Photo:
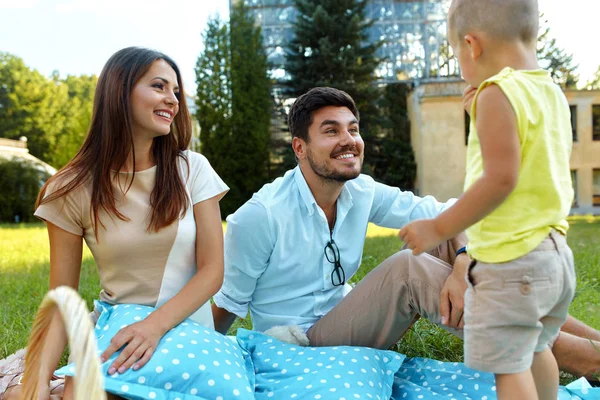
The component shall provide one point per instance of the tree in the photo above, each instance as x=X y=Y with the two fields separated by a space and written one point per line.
x=332 y=47
x=556 y=59
x=77 y=111
x=396 y=165
x=283 y=155
x=53 y=113
x=251 y=108
x=20 y=183
x=213 y=99
x=594 y=82
x=234 y=105
x=445 y=65
x=30 y=106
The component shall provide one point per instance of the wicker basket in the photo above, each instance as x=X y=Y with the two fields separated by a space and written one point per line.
x=89 y=382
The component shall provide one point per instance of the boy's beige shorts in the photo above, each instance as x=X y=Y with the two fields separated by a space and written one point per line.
x=515 y=309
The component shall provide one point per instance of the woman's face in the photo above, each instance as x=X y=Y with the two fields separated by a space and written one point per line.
x=154 y=101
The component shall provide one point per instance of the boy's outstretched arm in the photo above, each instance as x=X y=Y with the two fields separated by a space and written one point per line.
x=501 y=154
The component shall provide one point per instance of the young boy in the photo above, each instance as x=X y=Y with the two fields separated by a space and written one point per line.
x=518 y=194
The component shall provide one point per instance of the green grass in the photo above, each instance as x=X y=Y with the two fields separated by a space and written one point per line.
x=24 y=270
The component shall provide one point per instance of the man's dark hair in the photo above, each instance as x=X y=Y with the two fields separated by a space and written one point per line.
x=301 y=113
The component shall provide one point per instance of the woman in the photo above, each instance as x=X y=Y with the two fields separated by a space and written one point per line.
x=147 y=208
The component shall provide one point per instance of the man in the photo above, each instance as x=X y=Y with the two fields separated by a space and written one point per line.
x=290 y=249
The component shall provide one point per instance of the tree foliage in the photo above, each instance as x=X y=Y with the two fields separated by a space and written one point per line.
x=556 y=60
x=20 y=183
x=325 y=51
x=594 y=82
x=332 y=47
x=77 y=112
x=251 y=107
x=29 y=106
x=396 y=165
x=214 y=95
x=53 y=113
x=234 y=105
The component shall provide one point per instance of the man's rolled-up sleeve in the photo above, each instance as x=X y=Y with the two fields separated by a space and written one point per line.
x=248 y=247
x=394 y=208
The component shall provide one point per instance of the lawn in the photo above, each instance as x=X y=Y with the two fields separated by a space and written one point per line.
x=24 y=269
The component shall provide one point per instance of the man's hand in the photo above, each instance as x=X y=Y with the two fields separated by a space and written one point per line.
x=452 y=297
x=468 y=95
x=421 y=236
x=140 y=341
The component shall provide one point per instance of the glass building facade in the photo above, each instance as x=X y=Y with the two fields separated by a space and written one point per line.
x=413 y=35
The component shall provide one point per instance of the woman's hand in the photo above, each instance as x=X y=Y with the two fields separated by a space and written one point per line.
x=140 y=341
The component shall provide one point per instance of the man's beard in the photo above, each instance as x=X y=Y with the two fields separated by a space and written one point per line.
x=324 y=172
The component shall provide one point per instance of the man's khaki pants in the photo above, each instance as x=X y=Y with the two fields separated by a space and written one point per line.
x=386 y=302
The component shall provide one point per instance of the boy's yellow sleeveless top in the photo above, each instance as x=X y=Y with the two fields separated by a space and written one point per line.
x=543 y=195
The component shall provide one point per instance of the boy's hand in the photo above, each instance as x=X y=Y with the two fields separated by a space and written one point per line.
x=468 y=95
x=421 y=236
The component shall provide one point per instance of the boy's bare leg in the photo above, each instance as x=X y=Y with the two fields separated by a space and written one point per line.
x=545 y=374
x=516 y=386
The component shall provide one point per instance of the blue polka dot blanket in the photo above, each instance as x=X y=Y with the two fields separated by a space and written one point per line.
x=192 y=362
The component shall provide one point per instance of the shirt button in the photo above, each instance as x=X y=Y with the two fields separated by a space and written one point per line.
x=527 y=279
x=526 y=289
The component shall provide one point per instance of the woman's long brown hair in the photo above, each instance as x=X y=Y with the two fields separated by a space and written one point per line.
x=109 y=143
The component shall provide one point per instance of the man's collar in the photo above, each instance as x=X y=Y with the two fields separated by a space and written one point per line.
x=344 y=200
x=305 y=193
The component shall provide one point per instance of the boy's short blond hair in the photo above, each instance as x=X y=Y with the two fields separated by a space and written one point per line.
x=506 y=20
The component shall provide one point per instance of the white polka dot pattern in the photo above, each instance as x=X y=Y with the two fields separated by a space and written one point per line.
x=420 y=378
x=318 y=373
x=202 y=364
x=190 y=363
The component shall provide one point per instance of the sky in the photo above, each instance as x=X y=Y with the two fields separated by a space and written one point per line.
x=77 y=36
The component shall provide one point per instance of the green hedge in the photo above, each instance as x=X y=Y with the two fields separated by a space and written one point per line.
x=20 y=183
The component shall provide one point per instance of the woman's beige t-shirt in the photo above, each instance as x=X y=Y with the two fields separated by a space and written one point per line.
x=136 y=265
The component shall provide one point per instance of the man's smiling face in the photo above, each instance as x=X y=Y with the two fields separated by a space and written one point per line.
x=335 y=148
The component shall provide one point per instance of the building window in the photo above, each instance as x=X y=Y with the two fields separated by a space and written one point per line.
x=596 y=188
x=596 y=121
x=574 y=183
x=467 y=127
x=574 y=121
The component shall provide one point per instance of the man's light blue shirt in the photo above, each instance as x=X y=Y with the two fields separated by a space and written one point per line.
x=274 y=246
